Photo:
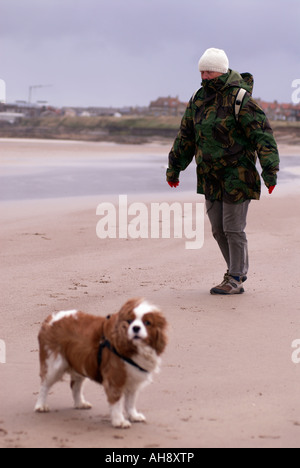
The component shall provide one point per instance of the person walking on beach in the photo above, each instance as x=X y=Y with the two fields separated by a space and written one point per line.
x=225 y=129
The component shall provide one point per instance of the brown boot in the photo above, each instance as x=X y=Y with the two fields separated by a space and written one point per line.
x=229 y=286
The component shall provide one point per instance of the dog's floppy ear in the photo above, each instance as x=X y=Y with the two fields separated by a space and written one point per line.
x=130 y=305
x=161 y=336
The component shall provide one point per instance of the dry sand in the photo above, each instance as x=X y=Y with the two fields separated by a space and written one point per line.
x=227 y=378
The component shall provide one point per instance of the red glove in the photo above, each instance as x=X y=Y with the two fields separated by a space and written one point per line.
x=174 y=184
x=271 y=189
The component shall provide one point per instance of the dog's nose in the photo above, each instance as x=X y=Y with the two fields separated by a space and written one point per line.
x=136 y=329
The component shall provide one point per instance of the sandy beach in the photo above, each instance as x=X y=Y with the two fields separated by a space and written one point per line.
x=227 y=376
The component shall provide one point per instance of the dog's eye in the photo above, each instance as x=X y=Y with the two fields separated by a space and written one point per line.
x=147 y=323
x=129 y=322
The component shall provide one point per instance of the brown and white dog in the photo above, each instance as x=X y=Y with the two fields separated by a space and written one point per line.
x=120 y=351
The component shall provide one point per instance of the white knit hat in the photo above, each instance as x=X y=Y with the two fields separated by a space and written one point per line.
x=214 y=60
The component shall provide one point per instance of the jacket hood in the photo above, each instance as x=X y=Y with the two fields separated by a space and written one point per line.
x=227 y=80
x=243 y=80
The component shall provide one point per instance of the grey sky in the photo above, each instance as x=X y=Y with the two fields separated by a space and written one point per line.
x=129 y=52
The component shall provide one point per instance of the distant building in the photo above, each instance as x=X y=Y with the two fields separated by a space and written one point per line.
x=167 y=106
x=276 y=111
x=85 y=113
x=69 y=112
x=170 y=106
x=163 y=106
x=10 y=117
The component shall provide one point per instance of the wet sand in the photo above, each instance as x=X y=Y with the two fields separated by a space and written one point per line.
x=41 y=169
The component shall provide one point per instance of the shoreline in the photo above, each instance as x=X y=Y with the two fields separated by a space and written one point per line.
x=157 y=145
x=43 y=169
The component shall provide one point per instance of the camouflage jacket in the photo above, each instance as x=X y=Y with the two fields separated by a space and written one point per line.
x=225 y=149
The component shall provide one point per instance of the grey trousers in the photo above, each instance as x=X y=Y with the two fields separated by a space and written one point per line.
x=228 y=223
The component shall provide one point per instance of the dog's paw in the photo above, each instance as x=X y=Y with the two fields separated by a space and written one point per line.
x=137 y=417
x=41 y=409
x=85 y=405
x=122 y=424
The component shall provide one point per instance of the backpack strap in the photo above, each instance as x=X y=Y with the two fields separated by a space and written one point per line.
x=194 y=95
x=238 y=102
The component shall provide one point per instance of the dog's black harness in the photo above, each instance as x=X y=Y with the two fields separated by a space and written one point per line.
x=106 y=344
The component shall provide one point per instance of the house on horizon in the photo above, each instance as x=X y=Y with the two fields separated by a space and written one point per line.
x=280 y=111
x=168 y=106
